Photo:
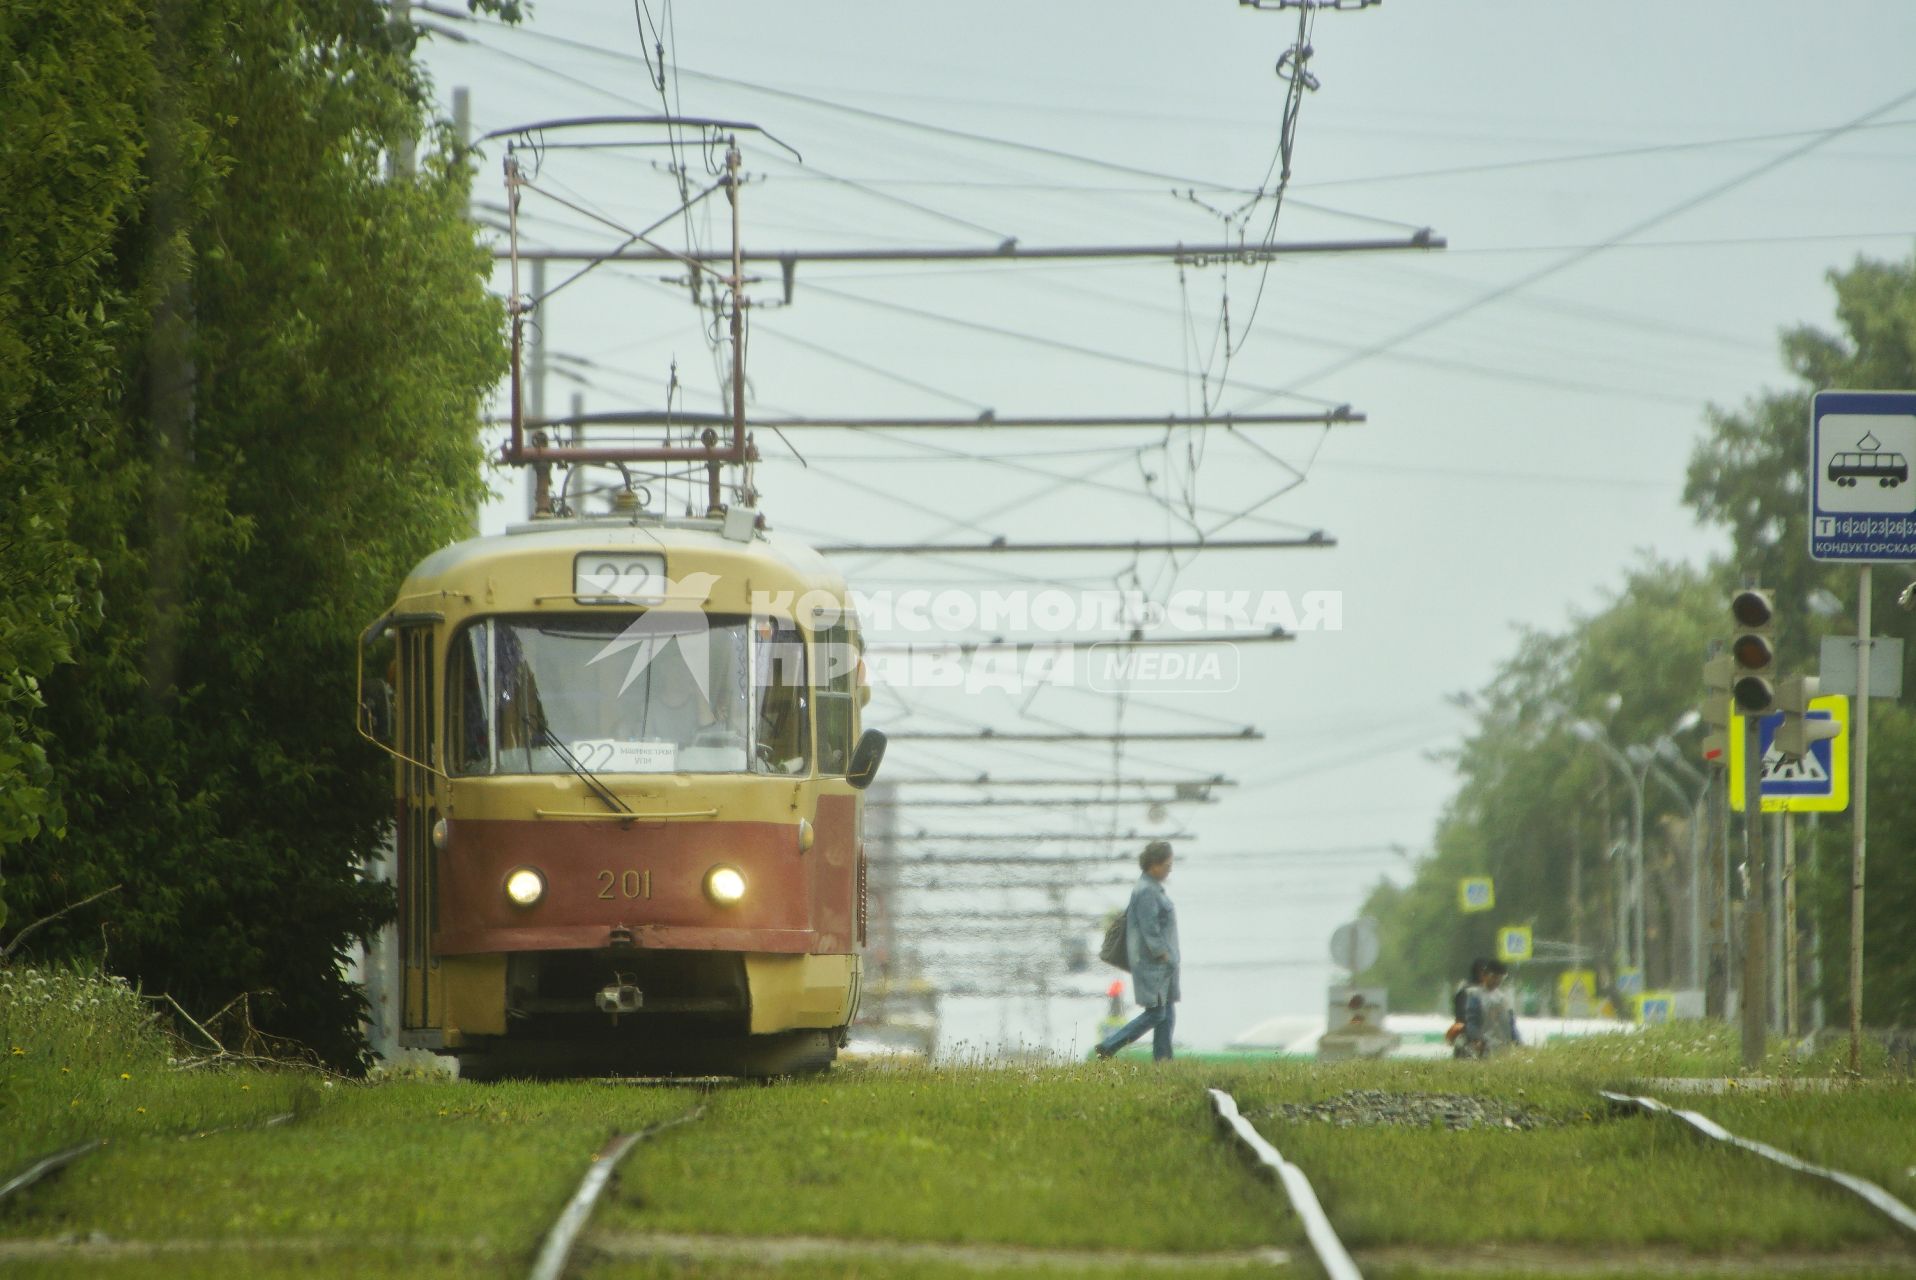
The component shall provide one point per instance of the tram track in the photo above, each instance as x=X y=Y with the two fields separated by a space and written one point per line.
x=43 y=1167
x=1338 y=1263
x=556 y=1249
x=606 y=1221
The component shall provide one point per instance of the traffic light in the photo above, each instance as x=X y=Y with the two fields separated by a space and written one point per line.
x=1718 y=676
x=1798 y=732
x=1753 y=652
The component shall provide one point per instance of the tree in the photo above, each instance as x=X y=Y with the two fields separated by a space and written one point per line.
x=1524 y=785
x=63 y=119
x=1534 y=799
x=1748 y=477
x=296 y=427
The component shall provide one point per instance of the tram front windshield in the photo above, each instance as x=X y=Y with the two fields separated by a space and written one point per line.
x=657 y=692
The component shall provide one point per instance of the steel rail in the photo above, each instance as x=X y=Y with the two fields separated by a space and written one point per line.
x=46 y=1165
x=557 y=1247
x=1330 y=1251
x=1899 y=1213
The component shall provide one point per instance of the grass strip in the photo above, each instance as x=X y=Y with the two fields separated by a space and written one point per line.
x=1868 y=1129
x=489 y=1164
x=1502 y=1262
x=1582 y=1177
x=282 y=1259
x=1095 y=1156
x=795 y=1250
x=1871 y=1194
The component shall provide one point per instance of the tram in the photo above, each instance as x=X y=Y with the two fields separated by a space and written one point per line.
x=627 y=782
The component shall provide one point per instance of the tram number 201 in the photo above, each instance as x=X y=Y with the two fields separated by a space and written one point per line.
x=625 y=884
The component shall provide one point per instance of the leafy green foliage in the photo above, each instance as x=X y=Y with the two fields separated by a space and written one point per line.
x=69 y=137
x=281 y=359
x=1533 y=800
x=1749 y=477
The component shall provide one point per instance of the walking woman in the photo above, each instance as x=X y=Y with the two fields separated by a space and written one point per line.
x=1151 y=945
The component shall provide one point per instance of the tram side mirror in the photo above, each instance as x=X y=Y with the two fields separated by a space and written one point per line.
x=866 y=757
x=376 y=711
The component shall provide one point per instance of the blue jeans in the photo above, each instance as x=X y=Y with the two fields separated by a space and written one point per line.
x=1157 y=1019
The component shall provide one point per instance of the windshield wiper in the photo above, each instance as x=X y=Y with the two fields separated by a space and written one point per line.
x=591 y=779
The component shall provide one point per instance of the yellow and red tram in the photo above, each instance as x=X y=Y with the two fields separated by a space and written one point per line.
x=628 y=771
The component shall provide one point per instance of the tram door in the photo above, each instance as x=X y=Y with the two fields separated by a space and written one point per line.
x=418 y=811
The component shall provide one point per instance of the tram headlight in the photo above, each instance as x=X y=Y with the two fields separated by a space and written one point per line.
x=725 y=885
x=525 y=887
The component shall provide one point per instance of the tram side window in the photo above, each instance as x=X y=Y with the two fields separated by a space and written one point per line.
x=493 y=710
x=783 y=734
x=837 y=697
x=469 y=708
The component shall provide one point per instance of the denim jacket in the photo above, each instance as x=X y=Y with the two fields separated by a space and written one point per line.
x=1151 y=943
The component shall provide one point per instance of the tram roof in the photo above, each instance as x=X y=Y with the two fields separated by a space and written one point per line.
x=689 y=545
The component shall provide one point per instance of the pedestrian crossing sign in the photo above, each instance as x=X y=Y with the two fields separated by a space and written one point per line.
x=1577 y=993
x=1513 y=942
x=1476 y=893
x=1817 y=783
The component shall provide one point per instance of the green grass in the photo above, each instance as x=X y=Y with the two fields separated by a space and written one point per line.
x=1596 y=1177
x=893 y=1269
x=486 y=1167
x=427 y=1178
x=82 y=1056
x=1105 y=1156
x=328 y=1261
x=1868 y=1130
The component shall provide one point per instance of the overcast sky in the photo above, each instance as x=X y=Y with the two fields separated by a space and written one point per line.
x=1636 y=201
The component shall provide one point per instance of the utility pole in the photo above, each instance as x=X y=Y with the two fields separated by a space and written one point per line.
x=1789 y=925
x=1755 y=999
x=1576 y=881
x=462 y=130
x=462 y=127
x=1779 y=1018
x=402 y=164
x=1723 y=934
x=539 y=496
x=1859 y=824
x=736 y=281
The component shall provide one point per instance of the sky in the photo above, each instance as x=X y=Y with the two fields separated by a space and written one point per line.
x=1635 y=202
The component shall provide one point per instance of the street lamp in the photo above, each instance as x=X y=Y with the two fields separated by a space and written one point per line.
x=1671 y=758
x=1591 y=732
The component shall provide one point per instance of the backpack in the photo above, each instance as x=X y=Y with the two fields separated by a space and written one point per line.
x=1114 y=950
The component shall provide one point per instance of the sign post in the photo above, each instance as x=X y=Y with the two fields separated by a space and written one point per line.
x=1755 y=947
x=1862 y=509
x=1859 y=826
